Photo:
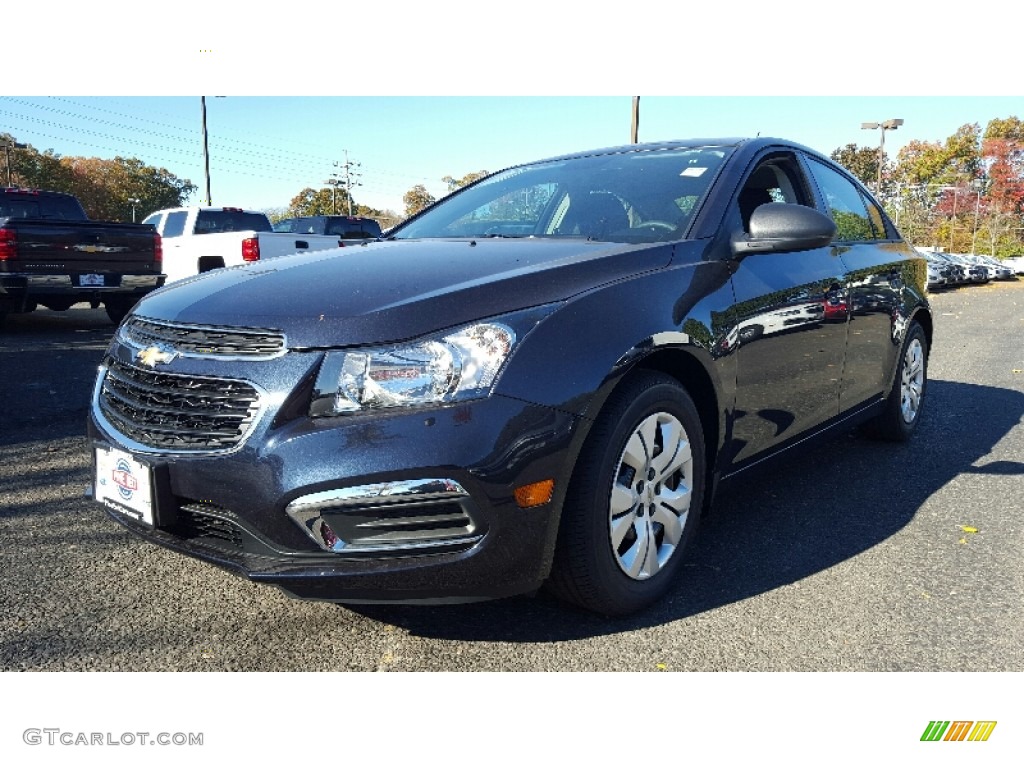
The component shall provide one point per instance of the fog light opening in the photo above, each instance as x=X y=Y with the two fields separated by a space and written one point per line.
x=534 y=494
x=329 y=537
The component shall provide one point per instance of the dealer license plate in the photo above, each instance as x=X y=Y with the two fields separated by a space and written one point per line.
x=124 y=484
x=91 y=280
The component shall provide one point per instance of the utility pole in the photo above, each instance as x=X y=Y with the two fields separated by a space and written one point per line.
x=7 y=151
x=206 y=151
x=348 y=165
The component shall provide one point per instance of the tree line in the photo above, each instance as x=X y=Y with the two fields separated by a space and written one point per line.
x=109 y=190
x=964 y=194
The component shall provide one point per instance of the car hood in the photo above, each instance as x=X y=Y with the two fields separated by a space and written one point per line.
x=397 y=290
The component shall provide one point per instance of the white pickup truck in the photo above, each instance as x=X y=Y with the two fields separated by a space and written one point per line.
x=197 y=239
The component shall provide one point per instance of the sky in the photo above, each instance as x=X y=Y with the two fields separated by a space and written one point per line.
x=265 y=149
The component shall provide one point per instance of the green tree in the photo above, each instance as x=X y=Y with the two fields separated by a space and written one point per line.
x=326 y=201
x=941 y=164
x=106 y=188
x=469 y=178
x=110 y=189
x=34 y=169
x=862 y=162
x=416 y=199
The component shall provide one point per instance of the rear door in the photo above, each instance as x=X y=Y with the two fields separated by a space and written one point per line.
x=878 y=265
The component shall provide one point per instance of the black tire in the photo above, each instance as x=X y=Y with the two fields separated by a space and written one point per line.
x=611 y=513
x=902 y=411
x=117 y=308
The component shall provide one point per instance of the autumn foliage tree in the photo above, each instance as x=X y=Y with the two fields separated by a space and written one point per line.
x=862 y=162
x=107 y=189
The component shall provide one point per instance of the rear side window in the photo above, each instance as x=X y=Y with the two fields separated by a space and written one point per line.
x=355 y=230
x=209 y=221
x=846 y=205
x=175 y=224
x=154 y=219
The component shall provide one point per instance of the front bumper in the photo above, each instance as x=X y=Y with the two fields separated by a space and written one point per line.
x=350 y=508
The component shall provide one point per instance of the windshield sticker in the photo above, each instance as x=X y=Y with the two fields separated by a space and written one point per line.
x=693 y=172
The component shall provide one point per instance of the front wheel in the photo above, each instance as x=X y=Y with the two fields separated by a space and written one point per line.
x=633 y=500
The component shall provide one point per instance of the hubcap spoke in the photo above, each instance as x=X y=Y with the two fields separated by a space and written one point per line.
x=651 y=564
x=634 y=558
x=636 y=454
x=620 y=528
x=623 y=499
x=672 y=522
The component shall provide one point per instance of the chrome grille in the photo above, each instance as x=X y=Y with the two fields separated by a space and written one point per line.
x=203 y=340
x=177 y=412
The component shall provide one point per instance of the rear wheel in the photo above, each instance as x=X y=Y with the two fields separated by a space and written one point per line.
x=903 y=407
x=633 y=500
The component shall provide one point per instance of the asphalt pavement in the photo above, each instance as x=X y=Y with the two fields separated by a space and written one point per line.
x=858 y=556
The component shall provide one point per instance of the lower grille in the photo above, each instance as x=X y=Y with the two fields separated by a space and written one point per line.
x=389 y=518
x=177 y=412
x=197 y=520
x=400 y=524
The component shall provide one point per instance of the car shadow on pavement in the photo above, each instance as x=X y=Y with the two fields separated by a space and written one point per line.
x=788 y=521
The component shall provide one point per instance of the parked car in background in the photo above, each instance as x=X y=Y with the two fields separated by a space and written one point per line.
x=198 y=239
x=1016 y=263
x=976 y=272
x=540 y=380
x=952 y=273
x=999 y=270
x=52 y=255
x=353 y=230
x=936 y=278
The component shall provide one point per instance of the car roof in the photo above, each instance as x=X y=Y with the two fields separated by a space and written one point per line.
x=752 y=143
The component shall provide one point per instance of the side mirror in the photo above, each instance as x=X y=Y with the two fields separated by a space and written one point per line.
x=778 y=227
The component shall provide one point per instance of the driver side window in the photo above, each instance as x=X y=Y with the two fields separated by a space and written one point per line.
x=777 y=179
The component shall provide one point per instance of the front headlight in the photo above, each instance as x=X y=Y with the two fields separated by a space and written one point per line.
x=458 y=366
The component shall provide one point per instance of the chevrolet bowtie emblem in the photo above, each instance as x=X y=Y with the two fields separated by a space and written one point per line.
x=151 y=357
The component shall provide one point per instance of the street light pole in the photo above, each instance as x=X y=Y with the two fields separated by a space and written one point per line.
x=885 y=125
x=977 y=206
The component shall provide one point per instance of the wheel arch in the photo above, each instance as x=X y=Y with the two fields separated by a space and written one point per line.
x=924 y=318
x=685 y=367
x=698 y=382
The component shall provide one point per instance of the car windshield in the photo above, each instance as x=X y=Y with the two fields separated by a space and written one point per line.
x=631 y=197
